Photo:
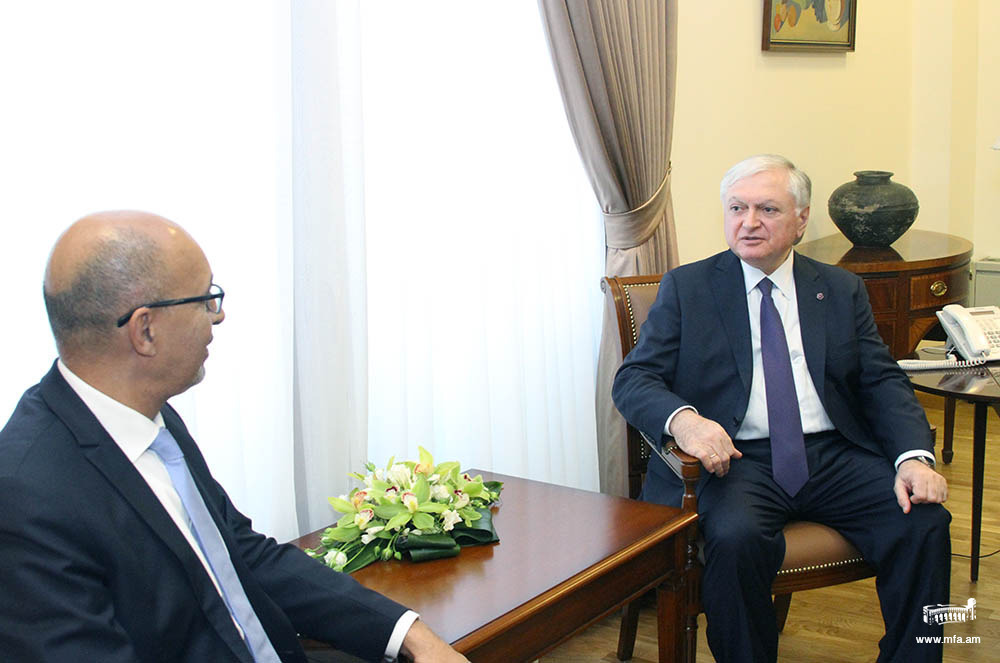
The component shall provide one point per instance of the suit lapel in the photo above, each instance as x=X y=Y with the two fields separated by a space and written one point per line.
x=811 y=295
x=278 y=629
x=729 y=286
x=105 y=455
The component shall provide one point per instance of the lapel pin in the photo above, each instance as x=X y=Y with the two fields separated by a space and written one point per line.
x=819 y=296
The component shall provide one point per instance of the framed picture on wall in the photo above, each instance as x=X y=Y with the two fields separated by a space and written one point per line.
x=809 y=25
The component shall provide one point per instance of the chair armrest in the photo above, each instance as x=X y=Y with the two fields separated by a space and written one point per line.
x=686 y=467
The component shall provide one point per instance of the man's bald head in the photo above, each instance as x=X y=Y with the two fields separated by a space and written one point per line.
x=102 y=266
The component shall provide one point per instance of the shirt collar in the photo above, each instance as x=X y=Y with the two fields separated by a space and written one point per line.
x=783 y=277
x=132 y=431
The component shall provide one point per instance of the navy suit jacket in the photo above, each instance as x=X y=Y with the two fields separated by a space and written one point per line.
x=695 y=349
x=92 y=568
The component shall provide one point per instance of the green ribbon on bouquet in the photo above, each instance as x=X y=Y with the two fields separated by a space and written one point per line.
x=425 y=547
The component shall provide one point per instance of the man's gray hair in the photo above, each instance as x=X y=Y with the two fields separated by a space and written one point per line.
x=124 y=271
x=799 y=184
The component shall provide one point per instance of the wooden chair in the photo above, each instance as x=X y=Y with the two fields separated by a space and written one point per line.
x=816 y=555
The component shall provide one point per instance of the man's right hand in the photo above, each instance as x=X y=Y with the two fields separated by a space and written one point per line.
x=704 y=439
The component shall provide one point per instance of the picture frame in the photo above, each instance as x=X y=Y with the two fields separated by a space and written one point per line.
x=809 y=25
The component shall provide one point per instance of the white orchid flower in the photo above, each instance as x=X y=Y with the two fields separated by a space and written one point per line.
x=370 y=533
x=450 y=519
x=336 y=558
x=399 y=475
x=363 y=517
x=410 y=502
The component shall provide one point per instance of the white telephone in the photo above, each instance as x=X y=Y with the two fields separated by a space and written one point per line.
x=974 y=332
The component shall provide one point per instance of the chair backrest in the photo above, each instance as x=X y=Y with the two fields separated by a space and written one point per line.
x=633 y=296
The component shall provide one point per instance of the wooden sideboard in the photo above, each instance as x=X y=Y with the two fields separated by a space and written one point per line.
x=907 y=282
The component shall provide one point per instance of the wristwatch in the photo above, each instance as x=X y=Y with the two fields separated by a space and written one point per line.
x=923 y=459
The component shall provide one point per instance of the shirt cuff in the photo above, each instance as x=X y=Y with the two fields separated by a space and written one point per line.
x=666 y=426
x=403 y=625
x=915 y=453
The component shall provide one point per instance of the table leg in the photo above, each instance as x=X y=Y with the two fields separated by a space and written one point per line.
x=978 y=461
x=670 y=613
x=949 y=429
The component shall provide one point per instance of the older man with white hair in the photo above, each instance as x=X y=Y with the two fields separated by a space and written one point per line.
x=767 y=366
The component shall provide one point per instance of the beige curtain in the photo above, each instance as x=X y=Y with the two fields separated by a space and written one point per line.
x=615 y=61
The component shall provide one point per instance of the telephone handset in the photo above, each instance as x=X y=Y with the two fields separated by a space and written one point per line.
x=974 y=332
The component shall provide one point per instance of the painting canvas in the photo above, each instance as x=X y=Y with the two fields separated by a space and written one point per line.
x=819 y=25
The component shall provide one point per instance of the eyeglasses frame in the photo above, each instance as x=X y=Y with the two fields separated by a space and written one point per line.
x=122 y=321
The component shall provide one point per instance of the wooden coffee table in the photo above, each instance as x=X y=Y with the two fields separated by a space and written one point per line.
x=566 y=558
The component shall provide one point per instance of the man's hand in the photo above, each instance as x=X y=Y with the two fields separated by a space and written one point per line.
x=917 y=483
x=704 y=439
x=421 y=645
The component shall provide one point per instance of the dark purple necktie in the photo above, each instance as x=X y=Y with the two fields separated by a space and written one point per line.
x=788 y=451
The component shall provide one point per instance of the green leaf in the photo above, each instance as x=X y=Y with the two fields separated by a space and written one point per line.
x=422 y=489
x=388 y=466
x=341 y=505
x=446 y=469
x=494 y=486
x=365 y=557
x=389 y=510
x=345 y=534
x=432 y=507
x=426 y=458
x=346 y=520
x=469 y=514
x=479 y=531
x=398 y=520
x=423 y=521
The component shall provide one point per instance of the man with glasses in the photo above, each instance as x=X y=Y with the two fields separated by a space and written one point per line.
x=116 y=544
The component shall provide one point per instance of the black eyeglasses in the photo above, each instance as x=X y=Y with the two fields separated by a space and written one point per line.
x=213 y=303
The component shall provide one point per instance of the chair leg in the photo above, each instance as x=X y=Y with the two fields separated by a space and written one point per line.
x=629 y=627
x=781 y=603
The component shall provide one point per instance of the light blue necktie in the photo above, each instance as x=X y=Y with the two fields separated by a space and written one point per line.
x=206 y=533
x=788 y=452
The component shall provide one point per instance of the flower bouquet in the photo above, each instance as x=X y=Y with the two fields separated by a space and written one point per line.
x=421 y=509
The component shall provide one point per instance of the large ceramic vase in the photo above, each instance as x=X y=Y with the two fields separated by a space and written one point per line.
x=872 y=211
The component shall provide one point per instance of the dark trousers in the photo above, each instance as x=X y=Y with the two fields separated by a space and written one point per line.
x=741 y=516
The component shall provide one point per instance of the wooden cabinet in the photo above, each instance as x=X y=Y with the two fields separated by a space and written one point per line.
x=907 y=282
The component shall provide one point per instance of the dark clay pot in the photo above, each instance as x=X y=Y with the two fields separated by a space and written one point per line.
x=872 y=211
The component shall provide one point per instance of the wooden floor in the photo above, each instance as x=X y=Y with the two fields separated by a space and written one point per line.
x=842 y=624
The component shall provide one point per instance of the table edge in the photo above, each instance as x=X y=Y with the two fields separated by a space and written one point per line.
x=492 y=629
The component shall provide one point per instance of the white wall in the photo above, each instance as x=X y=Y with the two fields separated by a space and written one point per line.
x=918 y=97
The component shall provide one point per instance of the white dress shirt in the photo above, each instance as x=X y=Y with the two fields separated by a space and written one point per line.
x=814 y=416
x=133 y=432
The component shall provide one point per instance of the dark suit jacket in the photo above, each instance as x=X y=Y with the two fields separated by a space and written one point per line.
x=694 y=349
x=92 y=568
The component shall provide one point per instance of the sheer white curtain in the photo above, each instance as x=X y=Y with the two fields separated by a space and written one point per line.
x=483 y=277
x=183 y=109
x=242 y=122
x=331 y=378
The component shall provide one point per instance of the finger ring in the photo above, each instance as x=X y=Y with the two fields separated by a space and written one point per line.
x=714 y=456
